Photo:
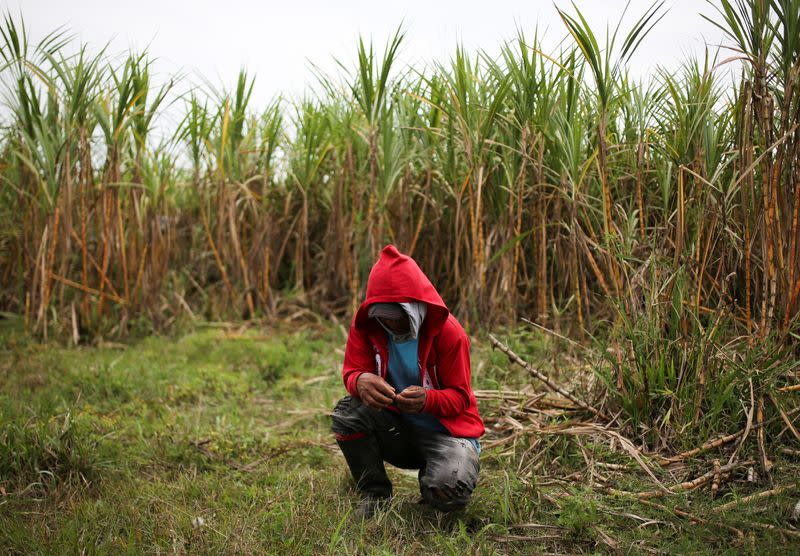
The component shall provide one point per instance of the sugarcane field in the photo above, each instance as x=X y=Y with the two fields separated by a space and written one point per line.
x=425 y=278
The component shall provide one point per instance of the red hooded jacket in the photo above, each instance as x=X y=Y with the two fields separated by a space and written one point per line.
x=443 y=344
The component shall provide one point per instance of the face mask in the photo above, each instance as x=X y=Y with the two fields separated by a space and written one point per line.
x=397 y=338
x=416 y=312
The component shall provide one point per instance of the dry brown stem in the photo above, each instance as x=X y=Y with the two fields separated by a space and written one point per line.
x=697 y=519
x=766 y=464
x=710 y=445
x=694 y=483
x=92 y=291
x=544 y=378
x=754 y=497
x=785 y=417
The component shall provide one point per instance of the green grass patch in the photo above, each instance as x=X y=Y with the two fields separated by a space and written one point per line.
x=218 y=442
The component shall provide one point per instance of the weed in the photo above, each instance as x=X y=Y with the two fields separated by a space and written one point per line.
x=579 y=515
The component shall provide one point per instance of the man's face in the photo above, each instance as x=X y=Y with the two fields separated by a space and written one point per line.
x=397 y=326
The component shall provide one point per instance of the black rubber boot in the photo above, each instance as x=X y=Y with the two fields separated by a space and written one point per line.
x=367 y=507
x=366 y=465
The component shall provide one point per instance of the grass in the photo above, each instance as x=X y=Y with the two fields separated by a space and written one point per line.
x=217 y=441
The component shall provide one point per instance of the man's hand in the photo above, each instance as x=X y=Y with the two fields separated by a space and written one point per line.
x=374 y=391
x=411 y=400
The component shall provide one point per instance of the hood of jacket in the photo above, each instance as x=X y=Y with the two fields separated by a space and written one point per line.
x=396 y=278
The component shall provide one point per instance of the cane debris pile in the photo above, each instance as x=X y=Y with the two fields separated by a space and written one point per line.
x=528 y=423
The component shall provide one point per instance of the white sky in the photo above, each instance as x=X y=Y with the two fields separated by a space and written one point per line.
x=278 y=41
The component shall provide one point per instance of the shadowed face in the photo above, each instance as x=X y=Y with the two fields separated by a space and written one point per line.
x=397 y=326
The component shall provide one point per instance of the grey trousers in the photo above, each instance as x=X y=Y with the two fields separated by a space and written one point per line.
x=448 y=466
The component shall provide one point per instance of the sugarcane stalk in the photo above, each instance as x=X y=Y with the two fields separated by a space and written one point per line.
x=513 y=357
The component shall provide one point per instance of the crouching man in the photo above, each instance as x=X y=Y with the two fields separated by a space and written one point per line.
x=410 y=403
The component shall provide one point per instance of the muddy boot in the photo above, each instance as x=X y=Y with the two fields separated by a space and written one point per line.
x=368 y=505
x=366 y=465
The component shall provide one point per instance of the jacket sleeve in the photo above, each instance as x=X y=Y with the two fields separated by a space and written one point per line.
x=358 y=358
x=453 y=370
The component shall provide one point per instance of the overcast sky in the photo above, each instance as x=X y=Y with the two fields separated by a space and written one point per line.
x=278 y=41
